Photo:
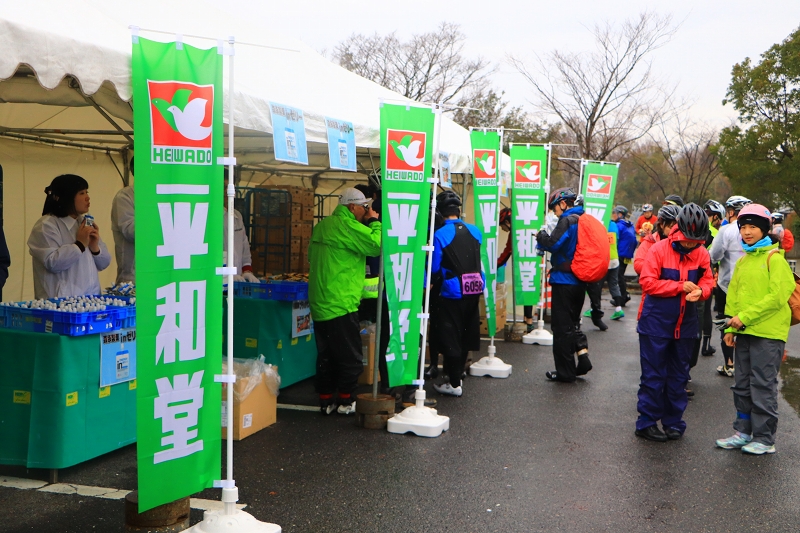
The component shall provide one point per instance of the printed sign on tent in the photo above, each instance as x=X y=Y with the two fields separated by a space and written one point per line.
x=444 y=170
x=117 y=357
x=178 y=248
x=341 y=144
x=407 y=150
x=289 y=133
x=485 y=149
x=528 y=202
x=599 y=184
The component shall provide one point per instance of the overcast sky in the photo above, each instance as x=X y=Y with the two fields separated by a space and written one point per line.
x=713 y=34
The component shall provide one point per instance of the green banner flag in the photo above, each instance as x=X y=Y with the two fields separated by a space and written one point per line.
x=529 y=166
x=407 y=157
x=177 y=90
x=486 y=189
x=599 y=181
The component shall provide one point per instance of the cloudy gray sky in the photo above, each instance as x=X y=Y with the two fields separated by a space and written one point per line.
x=713 y=34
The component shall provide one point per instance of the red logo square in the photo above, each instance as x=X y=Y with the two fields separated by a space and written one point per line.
x=405 y=150
x=181 y=114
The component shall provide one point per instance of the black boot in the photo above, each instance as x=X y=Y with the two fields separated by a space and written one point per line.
x=598 y=322
x=707 y=349
x=584 y=365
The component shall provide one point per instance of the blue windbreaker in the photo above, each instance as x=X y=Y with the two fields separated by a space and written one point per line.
x=626 y=245
x=450 y=282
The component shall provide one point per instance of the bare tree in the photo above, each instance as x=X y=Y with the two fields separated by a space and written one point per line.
x=607 y=99
x=430 y=67
x=686 y=162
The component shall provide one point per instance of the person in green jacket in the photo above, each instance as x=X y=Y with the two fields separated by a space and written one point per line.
x=337 y=256
x=758 y=297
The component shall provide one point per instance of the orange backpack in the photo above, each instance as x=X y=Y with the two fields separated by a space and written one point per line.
x=590 y=263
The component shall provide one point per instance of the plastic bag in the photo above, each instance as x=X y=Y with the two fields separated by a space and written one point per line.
x=254 y=370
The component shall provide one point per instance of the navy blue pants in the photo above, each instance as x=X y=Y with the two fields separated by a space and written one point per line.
x=662 y=386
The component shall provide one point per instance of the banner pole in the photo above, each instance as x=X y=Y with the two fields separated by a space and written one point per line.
x=420 y=394
x=230 y=494
x=498 y=173
x=377 y=356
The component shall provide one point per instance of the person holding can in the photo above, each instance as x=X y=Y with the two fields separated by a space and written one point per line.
x=65 y=242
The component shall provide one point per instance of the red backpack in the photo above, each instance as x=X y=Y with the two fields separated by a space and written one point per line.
x=592 y=254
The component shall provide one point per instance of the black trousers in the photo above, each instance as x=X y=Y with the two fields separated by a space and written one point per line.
x=568 y=339
x=727 y=351
x=457 y=327
x=339 y=356
x=623 y=285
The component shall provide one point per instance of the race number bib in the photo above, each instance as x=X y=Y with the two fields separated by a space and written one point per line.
x=471 y=284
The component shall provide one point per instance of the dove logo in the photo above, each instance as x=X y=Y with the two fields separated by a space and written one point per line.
x=484 y=167
x=598 y=186
x=405 y=155
x=181 y=116
x=528 y=174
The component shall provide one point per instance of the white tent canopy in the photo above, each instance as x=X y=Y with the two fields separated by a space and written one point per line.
x=65 y=104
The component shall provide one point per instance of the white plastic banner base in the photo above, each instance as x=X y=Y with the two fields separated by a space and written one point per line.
x=238 y=522
x=419 y=420
x=539 y=336
x=490 y=366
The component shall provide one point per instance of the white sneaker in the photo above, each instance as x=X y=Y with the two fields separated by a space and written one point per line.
x=347 y=408
x=758 y=448
x=448 y=389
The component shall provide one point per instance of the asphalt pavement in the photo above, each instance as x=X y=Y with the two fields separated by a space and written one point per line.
x=522 y=454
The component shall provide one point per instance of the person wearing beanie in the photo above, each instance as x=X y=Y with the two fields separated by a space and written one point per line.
x=758 y=327
x=65 y=243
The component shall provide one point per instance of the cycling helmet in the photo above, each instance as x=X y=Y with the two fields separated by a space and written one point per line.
x=757 y=215
x=447 y=199
x=777 y=217
x=737 y=202
x=564 y=193
x=669 y=213
x=693 y=222
x=621 y=210
x=579 y=200
x=673 y=199
x=505 y=215
x=647 y=207
x=713 y=207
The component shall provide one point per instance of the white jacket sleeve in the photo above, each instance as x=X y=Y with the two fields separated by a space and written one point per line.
x=122 y=211
x=103 y=259
x=43 y=244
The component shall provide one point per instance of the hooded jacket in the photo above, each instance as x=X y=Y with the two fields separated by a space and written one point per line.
x=337 y=256
x=627 y=238
x=759 y=293
x=665 y=312
x=561 y=243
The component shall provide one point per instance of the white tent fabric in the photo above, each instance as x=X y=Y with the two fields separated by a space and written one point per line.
x=91 y=42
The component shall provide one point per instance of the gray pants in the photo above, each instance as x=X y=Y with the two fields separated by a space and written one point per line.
x=755 y=393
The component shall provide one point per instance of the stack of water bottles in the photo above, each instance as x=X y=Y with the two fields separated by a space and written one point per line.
x=73 y=316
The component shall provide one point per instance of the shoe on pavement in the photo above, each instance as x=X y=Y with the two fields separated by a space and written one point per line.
x=584 y=365
x=725 y=370
x=599 y=324
x=652 y=433
x=431 y=373
x=347 y=408
x=587 y=313
x=672 y=433
x=758 y=448
x=734 y=442
x=689 y=392
x=449 y=390
x=530 y=327
x=617 y=315
x=551 y=375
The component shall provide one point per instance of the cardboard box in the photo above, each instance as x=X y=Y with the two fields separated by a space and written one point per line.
x=308 y=213
x=297 y=243
x=254 y=413
x=500 y=321
x=368 y=358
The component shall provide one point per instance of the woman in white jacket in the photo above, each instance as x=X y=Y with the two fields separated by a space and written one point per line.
x=67 y=251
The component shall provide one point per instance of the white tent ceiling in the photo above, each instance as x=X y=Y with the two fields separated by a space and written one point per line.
x=74 y=59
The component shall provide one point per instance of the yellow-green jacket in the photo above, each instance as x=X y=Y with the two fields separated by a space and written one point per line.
x=759 y=296
x=337 y=255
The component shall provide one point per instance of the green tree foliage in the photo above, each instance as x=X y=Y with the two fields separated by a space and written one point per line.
x=759 y=155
